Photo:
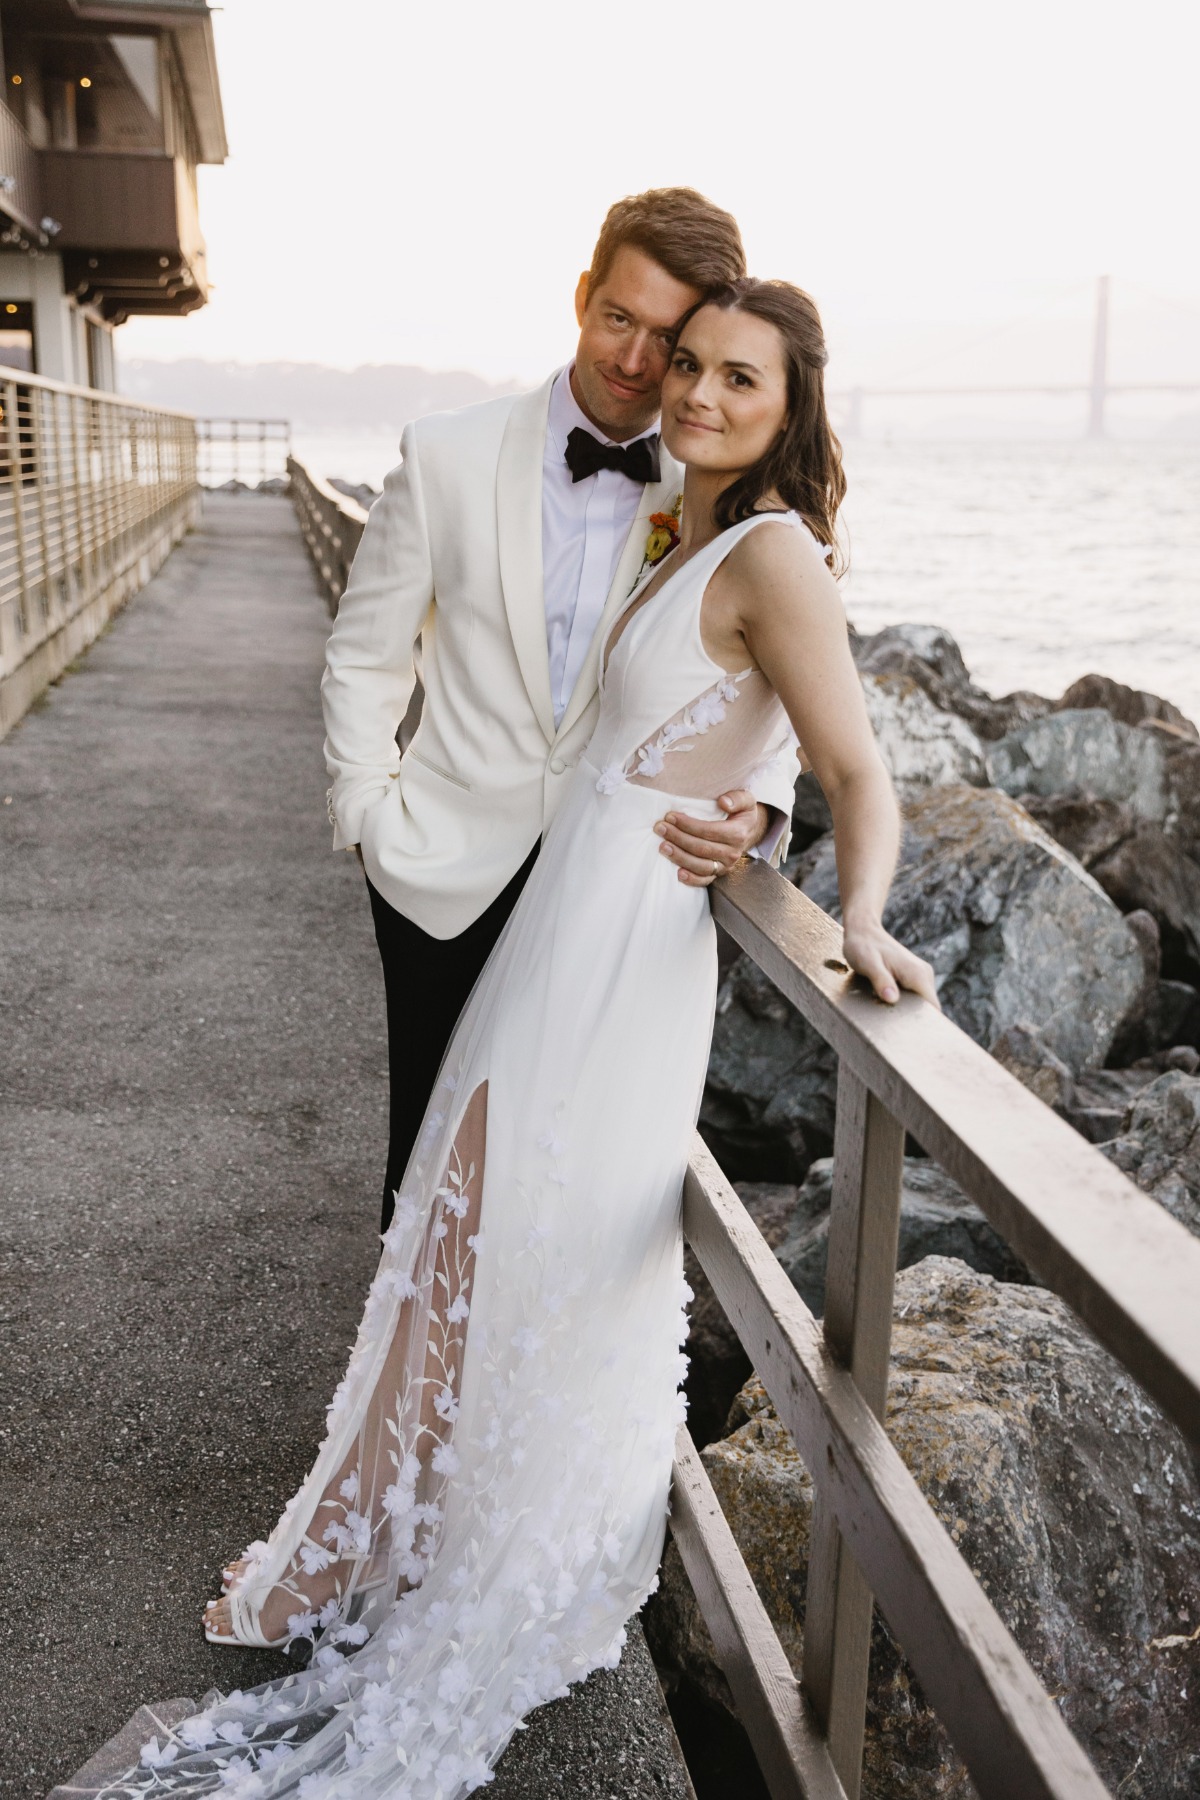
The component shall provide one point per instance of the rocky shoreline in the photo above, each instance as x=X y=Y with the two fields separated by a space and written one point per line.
x=1050 y=872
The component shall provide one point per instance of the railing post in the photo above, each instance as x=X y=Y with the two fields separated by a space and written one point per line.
x=12 y=427
x=37 y=399
x=864 y=1226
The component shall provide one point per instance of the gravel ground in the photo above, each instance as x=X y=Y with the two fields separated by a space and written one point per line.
x=193 y=1112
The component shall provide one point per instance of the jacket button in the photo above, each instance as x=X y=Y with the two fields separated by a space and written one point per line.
x=557 y=766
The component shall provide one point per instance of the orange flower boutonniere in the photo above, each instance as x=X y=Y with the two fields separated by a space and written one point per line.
x=664 y=535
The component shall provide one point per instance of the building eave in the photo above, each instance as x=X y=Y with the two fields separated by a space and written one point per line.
x=189 y=23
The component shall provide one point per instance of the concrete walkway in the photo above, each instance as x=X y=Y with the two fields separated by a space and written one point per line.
x=193 y=1094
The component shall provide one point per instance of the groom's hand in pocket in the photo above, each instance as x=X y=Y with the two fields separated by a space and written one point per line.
x=705 y=849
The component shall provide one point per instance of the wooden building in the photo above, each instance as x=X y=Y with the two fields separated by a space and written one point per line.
x=108 y=106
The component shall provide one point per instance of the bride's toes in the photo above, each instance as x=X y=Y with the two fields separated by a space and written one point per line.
x=234 y=1571
x=218 y=1619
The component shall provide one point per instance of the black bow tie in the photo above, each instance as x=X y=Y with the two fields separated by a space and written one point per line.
x=585 y=454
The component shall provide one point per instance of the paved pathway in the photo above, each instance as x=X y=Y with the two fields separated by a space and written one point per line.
x=192 y=1121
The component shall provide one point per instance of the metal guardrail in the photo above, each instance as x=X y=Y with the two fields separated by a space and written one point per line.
x=247 y=451
x=332 y=524
x=94 y=493
x=1126 y=1267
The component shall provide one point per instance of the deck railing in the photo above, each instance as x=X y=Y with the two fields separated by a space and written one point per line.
x=1126 y=1267
x=94 y=492
x=332 y=524
x=248 y=451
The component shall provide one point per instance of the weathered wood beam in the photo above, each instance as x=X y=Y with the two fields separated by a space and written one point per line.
x=1129 y=1270
x=1004 y=1726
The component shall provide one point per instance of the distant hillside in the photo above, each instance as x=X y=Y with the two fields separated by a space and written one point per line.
x=380 y=396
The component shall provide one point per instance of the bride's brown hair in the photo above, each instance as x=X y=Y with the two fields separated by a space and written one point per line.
x=804 y=464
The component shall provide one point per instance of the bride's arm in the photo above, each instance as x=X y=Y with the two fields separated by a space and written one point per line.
x=790 y=615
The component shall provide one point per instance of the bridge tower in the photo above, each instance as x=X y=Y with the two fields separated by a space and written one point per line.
x=1099 y=382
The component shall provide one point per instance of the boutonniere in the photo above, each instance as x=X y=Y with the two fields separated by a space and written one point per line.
x=664 y=535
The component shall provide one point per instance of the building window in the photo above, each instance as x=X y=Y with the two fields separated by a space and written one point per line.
x=100 y=93
x=16 y=335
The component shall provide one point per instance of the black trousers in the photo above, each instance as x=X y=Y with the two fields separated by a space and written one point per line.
x=427 y=981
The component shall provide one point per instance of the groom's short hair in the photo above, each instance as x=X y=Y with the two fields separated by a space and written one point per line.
x=692 y=239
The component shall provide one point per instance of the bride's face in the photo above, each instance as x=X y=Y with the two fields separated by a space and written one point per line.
x=724 y=397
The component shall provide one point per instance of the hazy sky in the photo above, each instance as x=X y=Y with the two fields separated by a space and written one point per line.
x=423 y=184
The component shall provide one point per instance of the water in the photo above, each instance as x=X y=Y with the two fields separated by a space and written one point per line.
x=1046 y=560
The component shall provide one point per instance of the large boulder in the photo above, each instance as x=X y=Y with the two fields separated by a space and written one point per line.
x=930 y=657
x=1159 y=1145
x=1147 y=870
x=1017 y=933
x=717 y=1363
x=936 y=1219
x=1015 y=929
x=1129 y=705
x=1138 y=862
x=1073 y=1501
x=1084 y=751
x=921 y=746
x=769 y=1100
x=1152 y=769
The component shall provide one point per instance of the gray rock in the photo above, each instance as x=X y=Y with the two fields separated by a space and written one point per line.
x=1159 y=1146
x=1096 y=1102
x=772 y=1083
x=1181 y=759
x=1129 y=705
x=929 y=656
x=936 y=1219
x=360 y=491
x=1148 y=870
x=1016 y=930
x=1087 y=751
x=1087 y=827
x=1024 y=1053
x=811 y=817
x=921 y=745
x=1138 y=863
x=1152 y=768
x=1074 y=1502
x=718 y=1364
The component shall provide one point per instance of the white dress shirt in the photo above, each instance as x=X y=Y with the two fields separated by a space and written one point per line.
x=584 y=528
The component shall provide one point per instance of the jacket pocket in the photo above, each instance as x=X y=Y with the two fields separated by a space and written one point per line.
x=435 y=769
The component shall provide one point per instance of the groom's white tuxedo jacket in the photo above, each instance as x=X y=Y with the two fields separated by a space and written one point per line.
x=452 y=556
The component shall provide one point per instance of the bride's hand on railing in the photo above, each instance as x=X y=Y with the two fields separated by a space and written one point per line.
x=888 y=966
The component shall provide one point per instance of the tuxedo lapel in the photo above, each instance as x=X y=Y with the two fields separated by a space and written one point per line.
x=657 y=496
x=519 y=538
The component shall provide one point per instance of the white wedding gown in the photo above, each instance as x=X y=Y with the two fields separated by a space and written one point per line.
x=488 y=1508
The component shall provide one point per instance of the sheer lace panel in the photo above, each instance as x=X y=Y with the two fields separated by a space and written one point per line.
x=374 y=1530
x=717 y=742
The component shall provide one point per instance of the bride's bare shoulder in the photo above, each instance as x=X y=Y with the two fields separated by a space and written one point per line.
x=780 y=559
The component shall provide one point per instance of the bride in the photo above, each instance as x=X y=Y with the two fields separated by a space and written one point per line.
x=488 y=1507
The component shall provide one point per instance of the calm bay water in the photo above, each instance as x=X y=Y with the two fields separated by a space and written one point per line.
x=1045 y=560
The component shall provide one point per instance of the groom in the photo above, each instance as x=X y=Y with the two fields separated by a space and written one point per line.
x=505 y=545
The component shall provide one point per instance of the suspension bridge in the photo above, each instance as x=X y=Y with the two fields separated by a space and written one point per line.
x=850 y=403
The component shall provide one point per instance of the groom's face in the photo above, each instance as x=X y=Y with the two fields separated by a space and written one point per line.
x=626 y=327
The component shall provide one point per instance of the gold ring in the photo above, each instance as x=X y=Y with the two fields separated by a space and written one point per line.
x=716 y=869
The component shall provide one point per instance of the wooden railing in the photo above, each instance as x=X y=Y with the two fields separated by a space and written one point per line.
x=1126 y=1267
x=332 y=524
x=94 y=492
x=1129 y=1270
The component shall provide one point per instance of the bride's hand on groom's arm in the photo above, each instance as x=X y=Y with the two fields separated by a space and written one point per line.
x=705 y=849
